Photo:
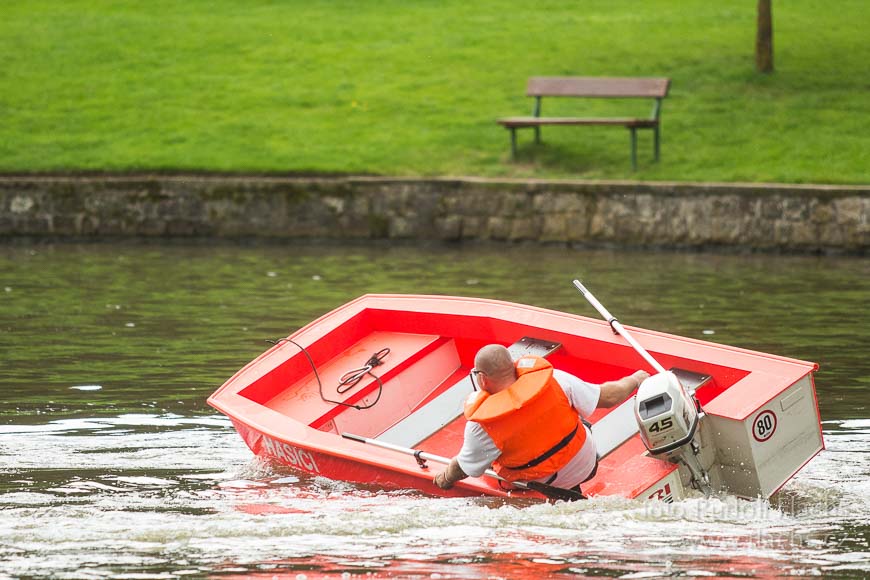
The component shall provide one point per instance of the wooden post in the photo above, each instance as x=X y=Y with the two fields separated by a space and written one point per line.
x=764 y=37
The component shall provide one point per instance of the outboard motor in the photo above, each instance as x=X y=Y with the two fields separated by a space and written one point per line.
x=666 y=414
x=667 y=417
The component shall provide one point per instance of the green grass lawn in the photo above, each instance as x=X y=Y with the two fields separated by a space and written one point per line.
x=413 y=87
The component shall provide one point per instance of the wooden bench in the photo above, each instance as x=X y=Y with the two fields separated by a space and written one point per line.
x=592 y=87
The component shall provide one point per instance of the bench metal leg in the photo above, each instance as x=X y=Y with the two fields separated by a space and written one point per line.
x=657 y=142
x=633 y=148
x=538 y=135
x=513 y=143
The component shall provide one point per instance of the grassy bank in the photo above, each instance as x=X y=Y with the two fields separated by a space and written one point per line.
x=413 y=88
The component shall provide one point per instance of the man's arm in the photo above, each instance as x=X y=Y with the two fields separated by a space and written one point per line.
x=449 y=476
x=615 y=392
x=477 y=454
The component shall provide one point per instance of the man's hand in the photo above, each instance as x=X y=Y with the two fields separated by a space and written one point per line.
x=449 y=476
x=442 y=481
x=639 y=376
x=615 y=392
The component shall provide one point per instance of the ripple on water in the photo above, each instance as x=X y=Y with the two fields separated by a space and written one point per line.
x=148 y=491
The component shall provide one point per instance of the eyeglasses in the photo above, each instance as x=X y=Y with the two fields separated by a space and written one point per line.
x=474 y=380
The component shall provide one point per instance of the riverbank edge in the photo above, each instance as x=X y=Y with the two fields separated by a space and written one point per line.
x=681 y=215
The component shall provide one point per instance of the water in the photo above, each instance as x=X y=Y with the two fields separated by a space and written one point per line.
x=112 y=466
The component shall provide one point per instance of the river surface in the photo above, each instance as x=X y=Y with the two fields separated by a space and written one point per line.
x=112 y=465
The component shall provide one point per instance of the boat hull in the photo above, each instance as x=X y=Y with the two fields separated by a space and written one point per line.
x=290 y=407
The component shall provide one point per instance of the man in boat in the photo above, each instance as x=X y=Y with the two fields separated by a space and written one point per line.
x=527 y=421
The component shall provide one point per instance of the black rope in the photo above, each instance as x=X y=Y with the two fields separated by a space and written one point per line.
x=349 y=379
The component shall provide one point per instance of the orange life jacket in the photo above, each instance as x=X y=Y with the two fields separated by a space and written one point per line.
x=531 y=422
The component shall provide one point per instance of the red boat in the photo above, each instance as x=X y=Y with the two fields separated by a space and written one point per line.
x=373 y=392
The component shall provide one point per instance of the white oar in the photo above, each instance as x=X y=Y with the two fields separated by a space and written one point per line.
x=542 y=488
x=690 y=459
x=618 y=426
x=617 y=327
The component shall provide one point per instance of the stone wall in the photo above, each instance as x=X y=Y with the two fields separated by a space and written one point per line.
x=680 y=215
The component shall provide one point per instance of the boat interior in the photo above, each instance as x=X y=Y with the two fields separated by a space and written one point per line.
x=418 y=375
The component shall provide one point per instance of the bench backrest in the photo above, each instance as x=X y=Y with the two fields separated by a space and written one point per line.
x=608 y=87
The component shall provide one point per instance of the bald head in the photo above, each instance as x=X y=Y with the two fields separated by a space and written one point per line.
x=495 y=363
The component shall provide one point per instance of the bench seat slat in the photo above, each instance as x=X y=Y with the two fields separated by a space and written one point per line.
x=648 y=87
x=538 y=121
